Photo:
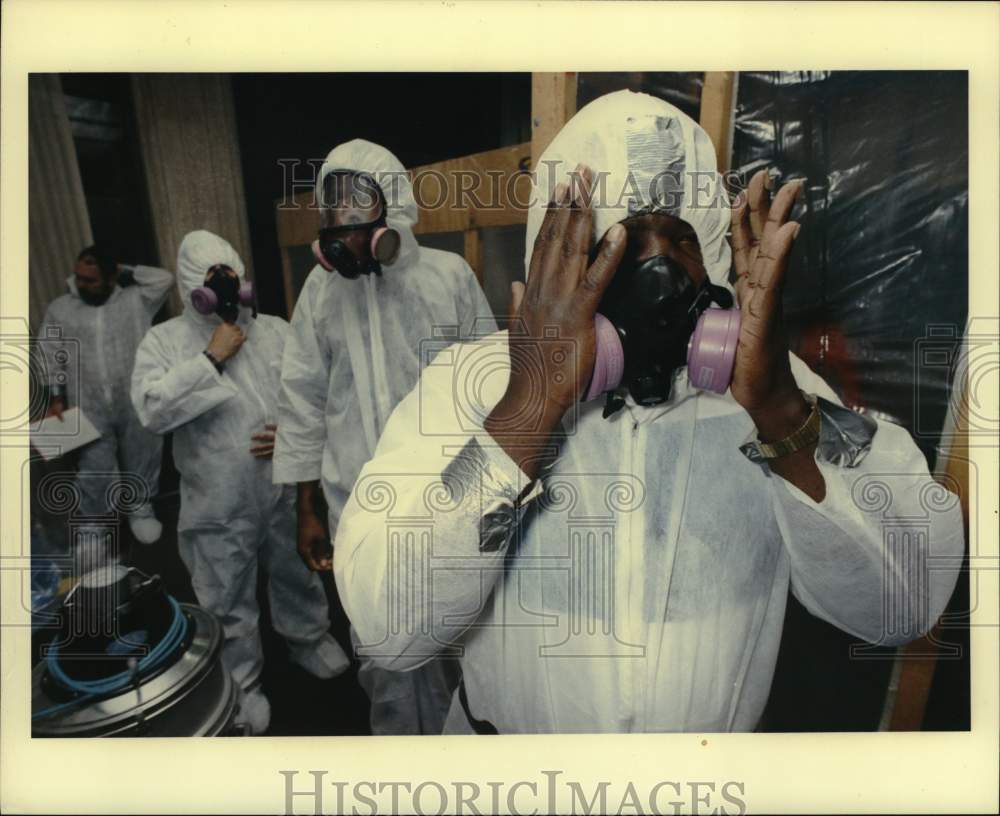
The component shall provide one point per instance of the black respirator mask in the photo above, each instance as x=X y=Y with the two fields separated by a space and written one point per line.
x=345 y=191
x=645 y=324
x=223 y=294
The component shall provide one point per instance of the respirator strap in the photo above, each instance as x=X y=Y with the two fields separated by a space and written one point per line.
x=708 y=294
x=378 y=222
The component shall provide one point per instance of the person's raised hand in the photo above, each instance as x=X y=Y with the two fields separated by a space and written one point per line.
x=762 y=238
x=226 y=341
x=552 y=340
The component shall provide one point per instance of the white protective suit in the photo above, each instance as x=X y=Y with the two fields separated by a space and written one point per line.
x=232 y=516
x=640 y=584
x=355 y=349
x=91 y=349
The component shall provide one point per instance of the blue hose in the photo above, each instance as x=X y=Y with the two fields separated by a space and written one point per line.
x=107 y=686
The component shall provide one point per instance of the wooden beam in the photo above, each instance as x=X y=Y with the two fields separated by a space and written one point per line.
x=918 y=660
x=486 y=189
x=718 y=96
x=553 y=103
x=472 y=251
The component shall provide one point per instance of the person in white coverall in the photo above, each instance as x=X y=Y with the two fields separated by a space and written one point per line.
x=88 y=339
x=356 y=347
x=214 y=384
x=629 y=572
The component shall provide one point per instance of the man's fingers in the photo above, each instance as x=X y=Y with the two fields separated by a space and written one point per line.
x=782 y=206
x=759 y=202
x=762 y=301
x=557 y=208
x=741 y=240
x=516 y=298
x=772 y=273
x=559 y=256
x=576 y=239
x=602 y=270
x=270 y=426
x=321 y=553
x=742 y=293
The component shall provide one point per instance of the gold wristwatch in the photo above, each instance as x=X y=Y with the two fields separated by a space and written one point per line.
x=804 y=436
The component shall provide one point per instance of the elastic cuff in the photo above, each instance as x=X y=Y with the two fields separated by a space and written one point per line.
x=216 y=364
x=294 y=472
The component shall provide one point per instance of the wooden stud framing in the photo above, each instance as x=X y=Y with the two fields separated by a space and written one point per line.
x=553 y=103
x=472 y=250
x=718 y=97
x=918 y=660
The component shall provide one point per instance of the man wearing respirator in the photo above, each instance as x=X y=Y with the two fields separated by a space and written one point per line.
x=630 y=495
x=211 y=376
x=354 y=351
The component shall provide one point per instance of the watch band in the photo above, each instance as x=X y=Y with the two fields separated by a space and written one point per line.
x=805 y=435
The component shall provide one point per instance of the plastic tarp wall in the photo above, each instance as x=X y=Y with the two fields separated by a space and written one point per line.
x=876 y=299
x=877 y=292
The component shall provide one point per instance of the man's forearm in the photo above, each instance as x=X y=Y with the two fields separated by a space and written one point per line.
x=524 y=430
x=310 y=498
x=799 y=467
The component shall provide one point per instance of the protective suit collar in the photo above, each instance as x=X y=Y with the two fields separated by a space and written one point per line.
x=199 y=251
x=388 y=171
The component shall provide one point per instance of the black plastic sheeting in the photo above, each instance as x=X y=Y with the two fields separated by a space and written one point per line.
x=879 y=273
x=876 y=299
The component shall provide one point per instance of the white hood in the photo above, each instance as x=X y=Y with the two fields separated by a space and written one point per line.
x=200 y=251
x=640 y=144
x=388 y=171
